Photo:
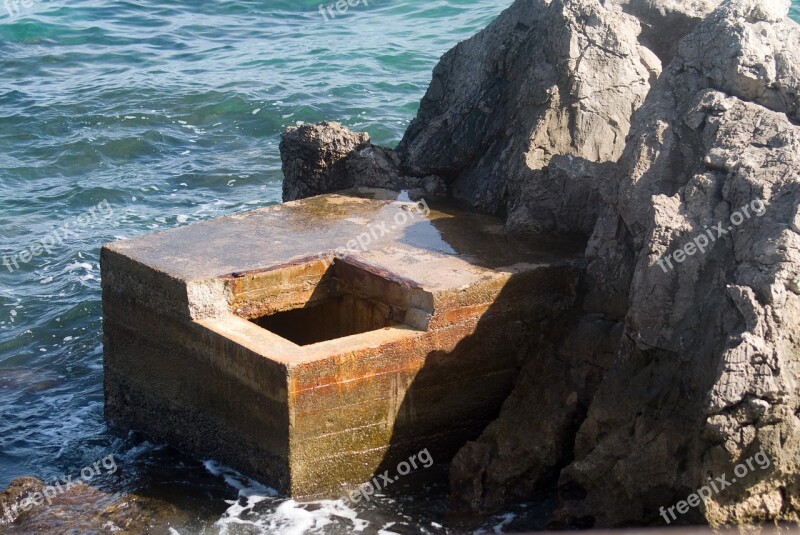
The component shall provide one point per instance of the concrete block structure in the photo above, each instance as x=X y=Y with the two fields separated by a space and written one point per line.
x=311 y=343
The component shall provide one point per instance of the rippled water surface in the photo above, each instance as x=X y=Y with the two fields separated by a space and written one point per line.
x=120 y=118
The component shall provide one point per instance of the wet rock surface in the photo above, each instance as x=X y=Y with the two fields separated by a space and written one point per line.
x=83 y=509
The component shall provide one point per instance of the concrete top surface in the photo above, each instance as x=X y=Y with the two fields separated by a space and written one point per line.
x=378 y=227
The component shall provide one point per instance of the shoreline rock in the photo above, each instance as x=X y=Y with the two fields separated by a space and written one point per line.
x=327 y=157
x=709 y=361
x=558 y=116
x=66 y=512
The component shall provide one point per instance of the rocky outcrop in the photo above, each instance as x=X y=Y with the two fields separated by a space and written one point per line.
x=28 y=506
x=565 y=193
x=710 y=352
x=703 y=374
x=544 y=79
x=315 y=158
x=325 y=157
x=681 y=361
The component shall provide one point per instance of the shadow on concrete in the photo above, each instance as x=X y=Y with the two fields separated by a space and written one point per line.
x=458 y=392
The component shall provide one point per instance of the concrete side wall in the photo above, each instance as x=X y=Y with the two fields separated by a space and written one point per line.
x=138 y=281
x=361 y=413
x=185 y=385
x=410 y=304
x=260 y=293
x=344 y=431
x=306 y=282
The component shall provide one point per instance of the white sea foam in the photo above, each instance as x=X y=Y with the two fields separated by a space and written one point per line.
x=276 y=515
x=502 y=521
x=292 y=518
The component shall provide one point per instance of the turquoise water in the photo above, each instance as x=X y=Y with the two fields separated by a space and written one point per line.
x=171 y=113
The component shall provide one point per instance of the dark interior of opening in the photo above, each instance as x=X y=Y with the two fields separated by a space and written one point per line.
x=335 y=317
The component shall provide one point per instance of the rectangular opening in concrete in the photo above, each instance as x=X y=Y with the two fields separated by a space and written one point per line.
x=336 y=317
x=308 y=302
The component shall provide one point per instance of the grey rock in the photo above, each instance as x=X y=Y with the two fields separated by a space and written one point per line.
x=314 y=158
x=565 y=197
x=554 y=168
x=510 y=461
x=326 y=157
x=544 y=79
x=732 y=51
x=666 y=22
x=379 y=167
x=705 y=376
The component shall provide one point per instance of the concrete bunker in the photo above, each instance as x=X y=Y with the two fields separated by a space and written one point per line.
x=236 y=340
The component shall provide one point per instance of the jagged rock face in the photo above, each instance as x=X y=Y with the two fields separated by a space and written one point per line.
x=565 y=195
x=544 y=79
x=665 y=22
x=706 y=377
x=532 y=439
x=741 y=51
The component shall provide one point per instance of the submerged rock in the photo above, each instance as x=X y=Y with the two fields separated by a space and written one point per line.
x=81 y=508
